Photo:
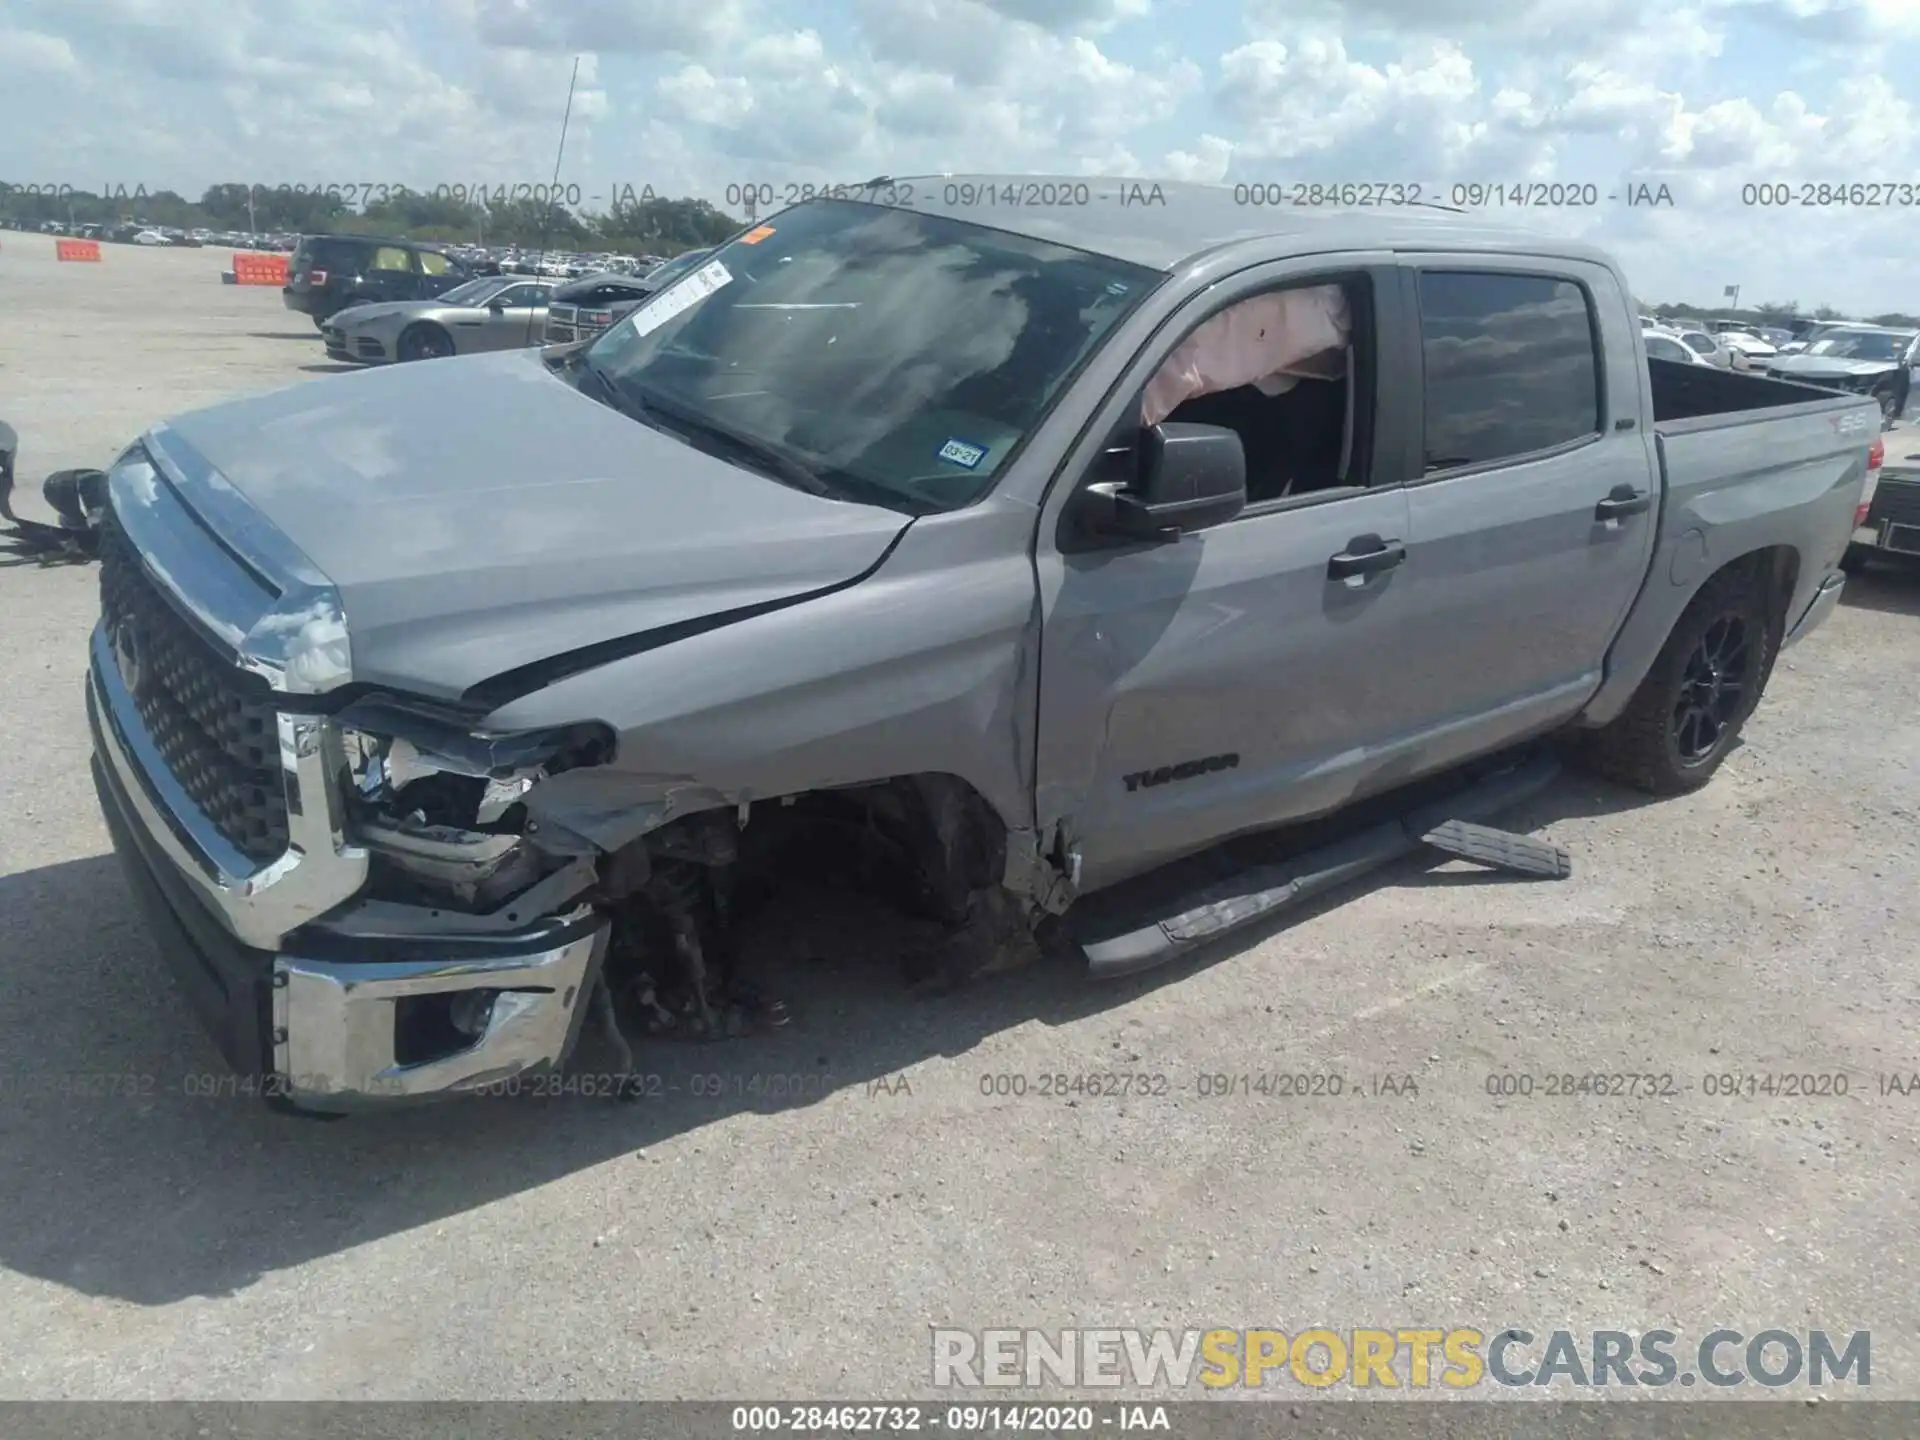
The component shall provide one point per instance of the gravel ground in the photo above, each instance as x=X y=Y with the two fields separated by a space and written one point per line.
x=171 y=1245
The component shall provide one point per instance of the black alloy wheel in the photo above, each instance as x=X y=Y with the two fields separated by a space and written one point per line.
x=1713 y=690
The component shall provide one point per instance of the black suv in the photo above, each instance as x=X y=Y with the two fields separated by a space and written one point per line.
x=330 y=272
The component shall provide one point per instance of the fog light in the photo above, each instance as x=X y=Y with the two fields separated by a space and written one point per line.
x=470 y=1011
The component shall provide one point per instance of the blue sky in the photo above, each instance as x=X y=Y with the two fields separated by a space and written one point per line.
x=1705 y=96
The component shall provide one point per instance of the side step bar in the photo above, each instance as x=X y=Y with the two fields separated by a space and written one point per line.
x=1263 y=890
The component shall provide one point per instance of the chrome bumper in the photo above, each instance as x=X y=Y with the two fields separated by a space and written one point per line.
x=334 y=1025
x=1824 y=599
x=334 y=1038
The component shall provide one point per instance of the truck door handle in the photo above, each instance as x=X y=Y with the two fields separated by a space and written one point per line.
x=1623 y=500
x=1365 y=555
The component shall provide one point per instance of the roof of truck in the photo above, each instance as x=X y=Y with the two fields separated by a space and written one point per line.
x=1162 y=223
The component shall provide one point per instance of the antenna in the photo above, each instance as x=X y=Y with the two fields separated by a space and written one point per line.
x=553 y=201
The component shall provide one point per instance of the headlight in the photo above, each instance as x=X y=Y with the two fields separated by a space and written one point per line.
x=389 y=746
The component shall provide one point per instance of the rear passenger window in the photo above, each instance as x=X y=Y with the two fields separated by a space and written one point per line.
x=1511 y=366
x=391 y=257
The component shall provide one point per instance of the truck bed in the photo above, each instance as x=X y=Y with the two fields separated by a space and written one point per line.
x=1689 y=397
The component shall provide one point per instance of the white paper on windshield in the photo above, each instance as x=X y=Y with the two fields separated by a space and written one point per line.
x=677 y=298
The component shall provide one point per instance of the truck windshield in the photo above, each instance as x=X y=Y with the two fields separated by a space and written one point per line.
x=1860 y=345
x=867 y=352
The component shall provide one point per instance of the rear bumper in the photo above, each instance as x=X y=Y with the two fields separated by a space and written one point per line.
x=1824 y=599
x=302 y=302
x=328 y=1023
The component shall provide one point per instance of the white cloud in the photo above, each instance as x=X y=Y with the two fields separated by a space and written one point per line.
x=1705 y=95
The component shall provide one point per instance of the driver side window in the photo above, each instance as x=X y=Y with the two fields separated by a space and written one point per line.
x=1290 y=371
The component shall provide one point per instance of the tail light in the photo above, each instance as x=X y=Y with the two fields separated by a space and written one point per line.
x=316 y=277
x=1876 y=457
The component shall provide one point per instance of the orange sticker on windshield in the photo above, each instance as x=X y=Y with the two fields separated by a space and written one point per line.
x=756 y=235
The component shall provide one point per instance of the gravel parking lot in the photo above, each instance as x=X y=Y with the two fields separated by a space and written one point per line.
x=164 y=1243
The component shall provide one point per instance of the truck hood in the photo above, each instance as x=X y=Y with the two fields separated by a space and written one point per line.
x=479 y=514
x=1809 y=366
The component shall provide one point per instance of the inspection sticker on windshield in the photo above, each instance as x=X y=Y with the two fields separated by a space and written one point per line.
x=678 y=298
x=961 y=453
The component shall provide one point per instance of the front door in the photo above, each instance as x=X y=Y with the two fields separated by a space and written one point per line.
x=1245 y=674
x=516 y=316
x=1532 y=524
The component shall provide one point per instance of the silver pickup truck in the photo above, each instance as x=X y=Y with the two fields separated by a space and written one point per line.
x=1018 y=553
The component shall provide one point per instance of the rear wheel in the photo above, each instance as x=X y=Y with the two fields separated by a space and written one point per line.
x=1855 y=558
x=1684 y=719
x=425 y=342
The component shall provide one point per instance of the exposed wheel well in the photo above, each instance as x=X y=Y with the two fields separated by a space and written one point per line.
x=942 y=836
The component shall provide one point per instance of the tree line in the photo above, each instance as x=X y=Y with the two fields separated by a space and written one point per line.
x=1781 y=314
x=636 y=222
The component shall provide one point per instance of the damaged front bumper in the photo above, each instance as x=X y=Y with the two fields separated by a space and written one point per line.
x=331 y=1003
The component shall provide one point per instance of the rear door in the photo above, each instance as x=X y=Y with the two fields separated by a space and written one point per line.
x=1533 y=511
x=438 y=273
x=389 y=275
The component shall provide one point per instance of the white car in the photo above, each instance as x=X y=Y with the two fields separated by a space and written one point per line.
x=1662 y=345
x=151 y=237
x=1745 y=342
x=1709 y=348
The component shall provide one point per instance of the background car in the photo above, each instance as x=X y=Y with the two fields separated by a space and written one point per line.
x=1710 y=349
x=1747 y=343
x=1662 y=346
x=330 y=273
x=1865 y=359
x=495 y=312
x=583 y=308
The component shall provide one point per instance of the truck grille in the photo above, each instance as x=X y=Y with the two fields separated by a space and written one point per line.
x=218 y=734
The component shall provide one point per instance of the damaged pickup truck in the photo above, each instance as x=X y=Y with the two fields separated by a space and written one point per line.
x=438 y=709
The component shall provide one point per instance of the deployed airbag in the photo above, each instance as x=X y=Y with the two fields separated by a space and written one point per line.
x=1270 y=341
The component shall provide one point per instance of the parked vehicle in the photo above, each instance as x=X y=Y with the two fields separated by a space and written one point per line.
x=1709 y=348
x=581 y=309
x=1890 y=524
x=329 y=273
x=1747 y=343
x=1805 y=332
x=1865 y=359
x=1662 y=346
x=1024 y=560
x=495 y=312
x=584 y=308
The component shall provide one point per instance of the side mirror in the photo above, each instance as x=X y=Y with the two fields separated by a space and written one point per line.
x=1191 y=476
x=498 y=307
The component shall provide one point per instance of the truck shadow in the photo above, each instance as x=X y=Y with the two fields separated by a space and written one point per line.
x=1889 y=586
x=136 y=1172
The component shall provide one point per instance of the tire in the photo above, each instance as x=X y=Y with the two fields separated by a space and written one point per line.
x=1855 y=558
x=320 y=323
x=1684 y=719
x=424 y=342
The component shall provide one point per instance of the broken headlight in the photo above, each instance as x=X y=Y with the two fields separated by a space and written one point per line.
x=438 y=805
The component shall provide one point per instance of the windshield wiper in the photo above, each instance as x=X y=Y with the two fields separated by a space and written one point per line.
x=770 y=457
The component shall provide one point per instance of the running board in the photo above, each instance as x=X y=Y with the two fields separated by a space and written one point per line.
x=1263 y=890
